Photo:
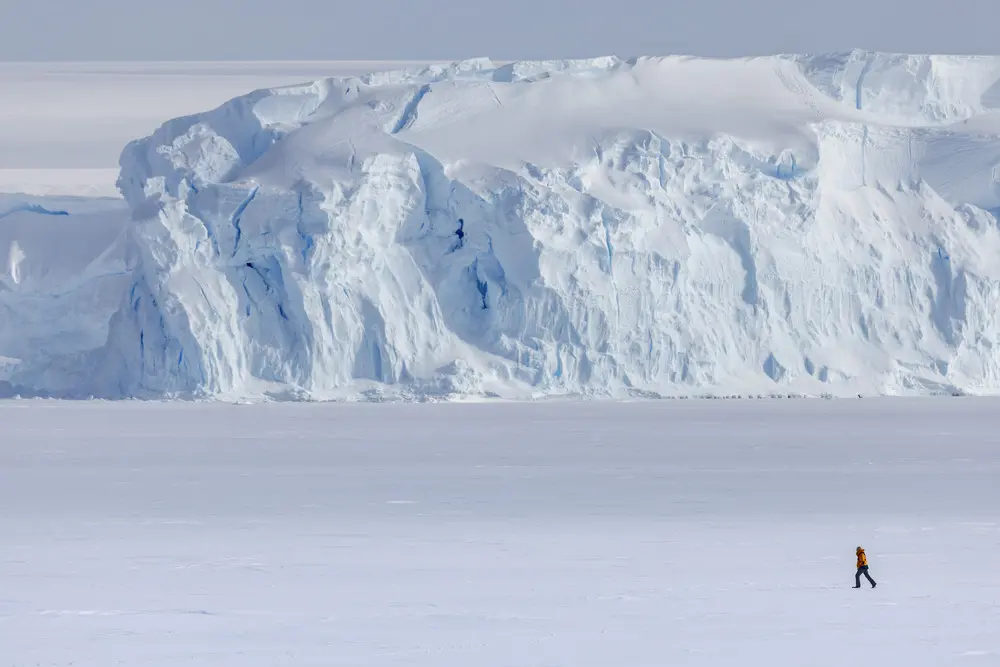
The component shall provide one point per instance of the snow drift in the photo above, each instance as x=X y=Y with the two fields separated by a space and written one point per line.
x=647 y=227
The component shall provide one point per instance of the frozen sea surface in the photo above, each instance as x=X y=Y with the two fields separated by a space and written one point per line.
x=667 y=533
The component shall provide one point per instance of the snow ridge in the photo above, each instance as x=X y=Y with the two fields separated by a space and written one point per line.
x=658 y=226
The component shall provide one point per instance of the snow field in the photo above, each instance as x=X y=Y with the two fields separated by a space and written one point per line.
x=648 y=533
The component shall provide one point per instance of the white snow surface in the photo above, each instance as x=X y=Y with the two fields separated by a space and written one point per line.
x=63 y=124
x=658 y=226
x=631 y=534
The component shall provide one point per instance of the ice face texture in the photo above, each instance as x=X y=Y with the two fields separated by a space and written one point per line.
x=605 y=228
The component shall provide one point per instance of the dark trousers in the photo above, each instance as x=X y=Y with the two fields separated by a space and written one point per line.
x=857 y=578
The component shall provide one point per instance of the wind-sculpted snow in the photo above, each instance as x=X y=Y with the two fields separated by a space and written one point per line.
x=909 y=89
x=657 y=226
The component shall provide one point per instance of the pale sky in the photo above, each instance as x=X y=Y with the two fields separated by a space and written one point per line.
x=511 y=29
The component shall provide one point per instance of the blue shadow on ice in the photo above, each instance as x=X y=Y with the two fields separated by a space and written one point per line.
x=31 y=208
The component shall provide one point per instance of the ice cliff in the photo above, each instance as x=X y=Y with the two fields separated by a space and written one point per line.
x=657 y=226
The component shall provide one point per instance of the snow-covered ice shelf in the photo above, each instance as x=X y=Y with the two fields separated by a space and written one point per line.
x=697 y=533
x=658 y=226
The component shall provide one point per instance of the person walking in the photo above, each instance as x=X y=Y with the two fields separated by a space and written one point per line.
x=862 y=569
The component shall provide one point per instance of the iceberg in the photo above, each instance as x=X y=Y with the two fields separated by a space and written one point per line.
x=602 y=228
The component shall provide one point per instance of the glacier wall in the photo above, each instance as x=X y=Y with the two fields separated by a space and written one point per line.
x=650 y=227
x=62 y=273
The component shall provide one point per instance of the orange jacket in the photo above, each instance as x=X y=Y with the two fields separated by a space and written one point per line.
x=862 y=559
